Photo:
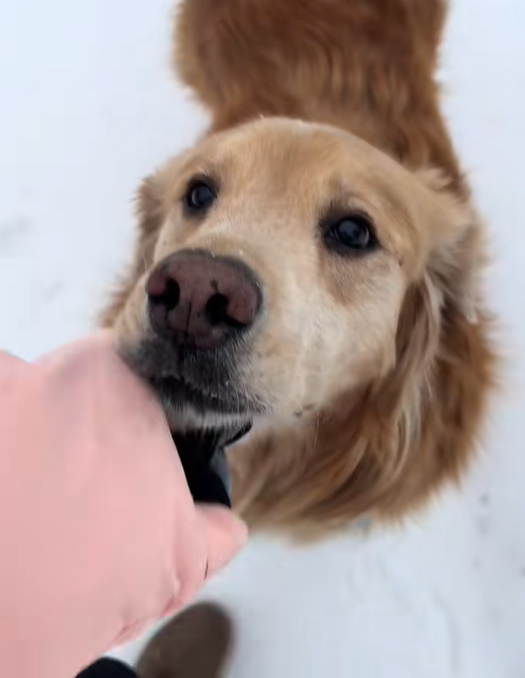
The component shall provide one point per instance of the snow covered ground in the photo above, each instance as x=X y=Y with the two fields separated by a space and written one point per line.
x=87 y=108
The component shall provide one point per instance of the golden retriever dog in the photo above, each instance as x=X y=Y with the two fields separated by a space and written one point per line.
x=312 y=265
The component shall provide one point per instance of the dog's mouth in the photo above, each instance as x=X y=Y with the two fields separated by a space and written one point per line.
x=199 y=389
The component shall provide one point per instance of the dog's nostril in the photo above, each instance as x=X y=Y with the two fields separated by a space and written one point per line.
x=169 y=297
x=217 y=310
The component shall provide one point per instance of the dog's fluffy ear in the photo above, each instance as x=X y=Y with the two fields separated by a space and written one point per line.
x=149 y=210
x=444 y=367
x=456 y=257
x=439 y=312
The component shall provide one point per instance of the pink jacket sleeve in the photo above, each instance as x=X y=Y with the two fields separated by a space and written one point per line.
x=99 y=535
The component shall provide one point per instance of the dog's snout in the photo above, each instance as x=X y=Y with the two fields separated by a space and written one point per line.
x=197 y=298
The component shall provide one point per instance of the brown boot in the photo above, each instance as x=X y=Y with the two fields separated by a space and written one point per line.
x=195 y=644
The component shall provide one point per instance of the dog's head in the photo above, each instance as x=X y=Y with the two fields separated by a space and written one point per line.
x=272 y=265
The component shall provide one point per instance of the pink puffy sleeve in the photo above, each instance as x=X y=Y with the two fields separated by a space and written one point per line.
x=99 y=535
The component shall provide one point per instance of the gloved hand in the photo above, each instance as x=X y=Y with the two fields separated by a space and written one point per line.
x=99 y=535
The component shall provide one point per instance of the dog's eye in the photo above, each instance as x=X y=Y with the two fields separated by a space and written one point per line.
x=199 y=196
x=352 y=233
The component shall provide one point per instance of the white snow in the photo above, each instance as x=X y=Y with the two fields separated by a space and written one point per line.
x=88 y=107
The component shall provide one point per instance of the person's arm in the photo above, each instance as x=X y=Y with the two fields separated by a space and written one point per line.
x=99 y=535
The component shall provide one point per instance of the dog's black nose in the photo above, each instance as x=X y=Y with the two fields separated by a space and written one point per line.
x=201 y=299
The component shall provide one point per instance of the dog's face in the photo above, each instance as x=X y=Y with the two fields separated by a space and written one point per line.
x=273 y=263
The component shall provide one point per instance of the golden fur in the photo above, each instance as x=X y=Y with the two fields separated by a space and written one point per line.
x=377 y=369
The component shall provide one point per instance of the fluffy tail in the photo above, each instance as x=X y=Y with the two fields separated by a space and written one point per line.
x=307 y=58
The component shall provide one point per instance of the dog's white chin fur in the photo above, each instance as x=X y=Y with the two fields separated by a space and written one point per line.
x=184 y=418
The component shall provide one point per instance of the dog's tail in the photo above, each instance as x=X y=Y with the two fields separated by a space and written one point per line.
x=304 y=58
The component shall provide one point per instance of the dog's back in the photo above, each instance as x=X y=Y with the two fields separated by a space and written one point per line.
x=364 y=65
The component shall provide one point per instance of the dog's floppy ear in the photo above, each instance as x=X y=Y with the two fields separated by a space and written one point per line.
x=457 y=247
x=149 y=209
x=443 y=359
x=437 y=390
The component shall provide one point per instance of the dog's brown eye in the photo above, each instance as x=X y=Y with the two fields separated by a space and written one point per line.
x=351 y=233
x=200 y=196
